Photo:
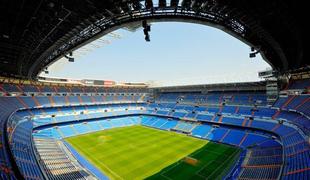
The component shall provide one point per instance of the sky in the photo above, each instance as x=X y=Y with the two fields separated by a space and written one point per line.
x=178 y=54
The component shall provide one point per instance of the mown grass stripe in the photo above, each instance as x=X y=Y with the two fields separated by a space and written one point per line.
x=139 y=152
x=134 y=152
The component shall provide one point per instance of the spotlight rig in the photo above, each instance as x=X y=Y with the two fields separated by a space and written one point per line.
x=46 y=71
x=253 y=52
x=70 y=59
x=146 y=30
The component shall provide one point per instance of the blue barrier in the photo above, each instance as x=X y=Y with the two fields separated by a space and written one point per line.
x=86 y=164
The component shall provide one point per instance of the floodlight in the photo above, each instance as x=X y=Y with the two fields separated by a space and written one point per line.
x=252 y=55
x=70 y=59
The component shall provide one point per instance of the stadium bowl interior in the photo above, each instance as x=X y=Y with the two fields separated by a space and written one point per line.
x=54 y=129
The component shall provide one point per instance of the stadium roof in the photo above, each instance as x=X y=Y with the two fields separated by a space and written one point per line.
x=34 y=34
x=243 y=86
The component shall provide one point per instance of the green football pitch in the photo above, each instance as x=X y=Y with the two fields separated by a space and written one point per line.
x=139 y=152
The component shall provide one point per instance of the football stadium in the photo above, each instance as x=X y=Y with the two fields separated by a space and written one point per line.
x=60 y=128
